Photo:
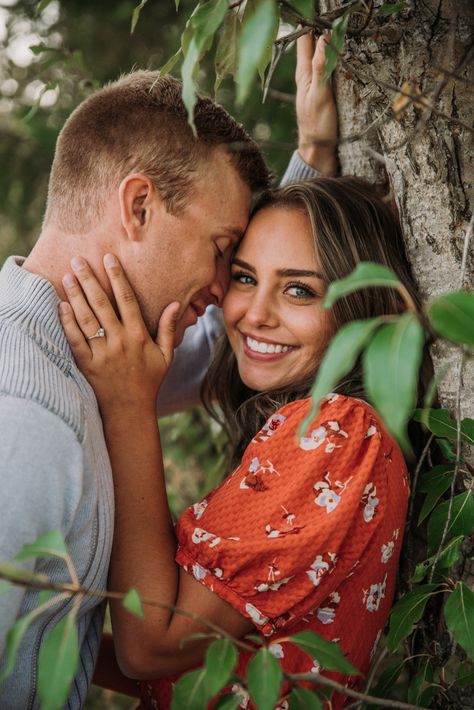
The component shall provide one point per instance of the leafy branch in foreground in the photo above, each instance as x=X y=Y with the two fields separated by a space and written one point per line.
x=59 y=656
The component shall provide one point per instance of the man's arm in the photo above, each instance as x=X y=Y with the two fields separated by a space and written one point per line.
x=36 y=451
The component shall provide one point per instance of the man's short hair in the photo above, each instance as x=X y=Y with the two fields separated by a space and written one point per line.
x=139 y=124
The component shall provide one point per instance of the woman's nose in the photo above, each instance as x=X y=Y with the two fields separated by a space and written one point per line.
x=261 y=310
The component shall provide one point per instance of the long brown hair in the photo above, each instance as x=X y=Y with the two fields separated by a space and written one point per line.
x=350 y=223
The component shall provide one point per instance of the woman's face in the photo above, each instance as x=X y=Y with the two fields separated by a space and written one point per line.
x=272 y=310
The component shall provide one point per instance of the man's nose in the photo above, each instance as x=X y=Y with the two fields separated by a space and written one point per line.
x=220 y=284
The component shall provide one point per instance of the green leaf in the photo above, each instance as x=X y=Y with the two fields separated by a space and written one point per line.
x=136 y=15
x=14 y=637
x=57 y=663
x=190 y=691
x=435 y=485
x=459 y=615
x=339 y=359
x=229 y=701
x=387 y=680
x=305 y=8
x=422 y=690
x=226 y=52
x=304 y=699
x=255 y=638
x=446 y=449
x=465 y=676
x=390 y=8
x=328 y=654
x=365 y=275
x=441 y=423
x=448 y=557
x=166 y=68
x=391 y=363
x=461 y=522
x=42 y=5
x=221 y=658
x=196 y=41
x=133 y=603
x=452 y=316
x=14 y=573
x=264 y=676
x=407 y=612
x=51 y=544
x=259 y=30
x=334 y=47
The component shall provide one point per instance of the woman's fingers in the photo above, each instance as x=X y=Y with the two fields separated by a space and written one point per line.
x=167 y=331
x=304 y=58
x=124 y=296
x=319 y=56
x=83 y=313
x=77 y=340
x=97 y=298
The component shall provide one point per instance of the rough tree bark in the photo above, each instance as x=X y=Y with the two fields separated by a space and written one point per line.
x=427 y=159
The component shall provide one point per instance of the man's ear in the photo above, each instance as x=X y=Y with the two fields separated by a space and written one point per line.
x=136 y=193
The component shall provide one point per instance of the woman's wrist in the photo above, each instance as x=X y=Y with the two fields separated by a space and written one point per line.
x=320 y=158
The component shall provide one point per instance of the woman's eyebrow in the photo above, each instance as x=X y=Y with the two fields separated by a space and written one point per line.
x=282 y=273
x=299 y=272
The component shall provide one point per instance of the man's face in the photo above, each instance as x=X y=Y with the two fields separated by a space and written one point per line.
x=185 y=258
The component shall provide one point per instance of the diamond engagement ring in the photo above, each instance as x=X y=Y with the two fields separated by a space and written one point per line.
x=100 y=334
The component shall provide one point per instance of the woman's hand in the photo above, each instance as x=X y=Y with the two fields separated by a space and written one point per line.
x=125 y=367
x=316 y=110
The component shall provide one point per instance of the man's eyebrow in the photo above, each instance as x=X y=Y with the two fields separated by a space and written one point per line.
x=292 y=273
x=234 y=232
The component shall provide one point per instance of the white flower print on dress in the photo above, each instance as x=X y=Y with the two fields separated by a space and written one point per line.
x=200 y=535
x=327 y=497
x=269 y=428
x=241 y=695
x=276 y=649
x=315 y=668
x=199 y=508
x=288 y=517
x=327 y=433
x=374 y=596
x=370 y=502
x=199 y=572
x=387 y=551
x=254 y=478
x=256 y=616
x=273 y=533
x=327 y=614
x=320 y=567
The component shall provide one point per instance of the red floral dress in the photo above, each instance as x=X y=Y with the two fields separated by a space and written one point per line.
x=304 y=534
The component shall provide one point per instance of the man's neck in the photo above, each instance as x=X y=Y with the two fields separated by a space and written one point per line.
x=51 y=256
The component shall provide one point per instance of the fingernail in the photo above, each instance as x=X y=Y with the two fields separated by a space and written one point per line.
x=64 y=307
x=69 y=281
x=77 y=263
x=110 y=260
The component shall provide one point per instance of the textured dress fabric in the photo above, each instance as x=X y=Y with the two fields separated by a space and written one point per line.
x=305 y=534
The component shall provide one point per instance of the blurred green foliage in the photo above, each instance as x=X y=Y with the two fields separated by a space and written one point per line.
x=77 y=47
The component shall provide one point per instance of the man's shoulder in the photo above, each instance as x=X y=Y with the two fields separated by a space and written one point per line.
x=28 y=371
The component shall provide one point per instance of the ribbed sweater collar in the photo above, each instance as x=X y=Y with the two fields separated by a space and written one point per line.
x=31 y=303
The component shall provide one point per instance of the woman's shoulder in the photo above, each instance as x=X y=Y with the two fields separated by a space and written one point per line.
x=336 y=413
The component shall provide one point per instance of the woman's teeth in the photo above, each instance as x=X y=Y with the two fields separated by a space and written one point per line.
x=259 y=347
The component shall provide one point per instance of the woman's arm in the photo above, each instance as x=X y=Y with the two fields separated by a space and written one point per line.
x=126 y=369
x=107 y=673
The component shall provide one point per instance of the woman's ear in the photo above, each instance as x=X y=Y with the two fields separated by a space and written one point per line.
x=135 y=197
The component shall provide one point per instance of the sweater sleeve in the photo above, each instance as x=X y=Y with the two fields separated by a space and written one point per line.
x=294 y=518
x=182 y=386
x=298 y=170
x=40 y=483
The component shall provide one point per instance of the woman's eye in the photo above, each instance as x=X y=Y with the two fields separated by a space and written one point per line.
x=300 y=291
x=242 y=278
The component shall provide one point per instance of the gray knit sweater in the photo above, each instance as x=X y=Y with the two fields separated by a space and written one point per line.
x=54 y=473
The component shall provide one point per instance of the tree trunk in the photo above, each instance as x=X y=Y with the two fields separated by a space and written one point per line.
x=427 y=159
